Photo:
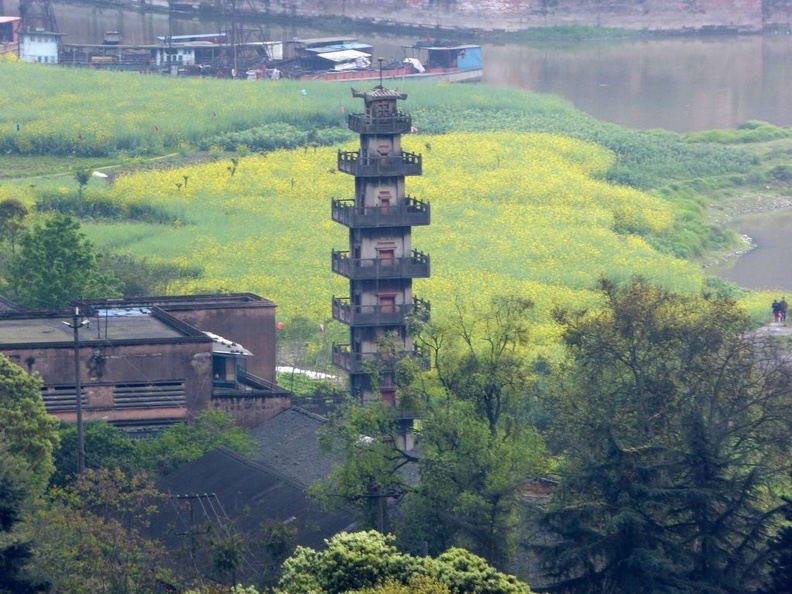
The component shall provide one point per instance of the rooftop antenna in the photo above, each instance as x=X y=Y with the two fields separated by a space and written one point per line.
x=380 y=60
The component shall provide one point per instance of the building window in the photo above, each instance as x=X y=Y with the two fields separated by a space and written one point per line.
x=386 y=256
x=387 y=303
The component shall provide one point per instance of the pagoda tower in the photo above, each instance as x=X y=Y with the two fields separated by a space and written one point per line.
x=380 y=261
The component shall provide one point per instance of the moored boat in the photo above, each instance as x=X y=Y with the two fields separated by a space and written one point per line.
x=352 y=61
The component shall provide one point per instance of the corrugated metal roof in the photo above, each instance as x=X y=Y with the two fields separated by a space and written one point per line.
x=226 y=347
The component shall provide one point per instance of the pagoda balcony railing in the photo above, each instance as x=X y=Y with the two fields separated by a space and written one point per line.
x=354 y=163
x=380 y=315
x=361 y=123
x=414 y=266
x=412 y=212
x=367 y=362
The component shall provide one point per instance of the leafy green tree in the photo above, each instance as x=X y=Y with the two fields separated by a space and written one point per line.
x=228 y=553
x=372 y=475
x=184 y=443
x=481 y=358
x=90 y=538
x=106 y=446
x=674 y=427
x=12 y=222
x=15 y=496
x=419 y=585
x=479 y=448
x=479 y=443
x=471 y=482
x=28 y=436
x=27 y=432
x=141 y=277
x=369 y=562
x=82 y=176
x=57 y=264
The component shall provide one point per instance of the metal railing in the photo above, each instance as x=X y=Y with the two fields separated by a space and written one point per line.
x=379 y=315
x=361 y=123
x=414 y=266
x=366 y=362
x=404 y=163
x=410 y=213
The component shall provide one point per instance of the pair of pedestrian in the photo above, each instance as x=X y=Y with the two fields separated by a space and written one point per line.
x=780 y=310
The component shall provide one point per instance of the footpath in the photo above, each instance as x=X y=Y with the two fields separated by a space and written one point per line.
x=776 y=329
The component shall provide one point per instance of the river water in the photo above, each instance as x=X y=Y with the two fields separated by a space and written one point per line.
x=680 y=84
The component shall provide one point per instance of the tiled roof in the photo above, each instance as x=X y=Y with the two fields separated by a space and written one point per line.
x=249 y=494
x=288 y=444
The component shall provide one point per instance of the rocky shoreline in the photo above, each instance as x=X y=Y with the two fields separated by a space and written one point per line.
x=744 y=205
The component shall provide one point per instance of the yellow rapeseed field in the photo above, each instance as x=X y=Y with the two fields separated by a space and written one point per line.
x=511 y=213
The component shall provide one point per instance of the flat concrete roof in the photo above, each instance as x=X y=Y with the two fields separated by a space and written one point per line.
x=136 y=326
x=178 y=302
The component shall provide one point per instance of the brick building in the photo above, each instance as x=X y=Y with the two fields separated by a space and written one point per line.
x=151 y=362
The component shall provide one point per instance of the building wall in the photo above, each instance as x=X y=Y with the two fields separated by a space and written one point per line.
x=159 y=380
x=39 y=47
x=250 y=325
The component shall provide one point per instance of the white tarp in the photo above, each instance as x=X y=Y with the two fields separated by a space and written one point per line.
x=344 y=56
x=416 y=63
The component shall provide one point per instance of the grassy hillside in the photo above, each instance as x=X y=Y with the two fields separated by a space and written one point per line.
x=528 y=194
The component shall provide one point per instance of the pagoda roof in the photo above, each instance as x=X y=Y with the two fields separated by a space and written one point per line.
x=378 y=93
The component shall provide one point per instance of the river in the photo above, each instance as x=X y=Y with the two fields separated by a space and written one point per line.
x=680 y=84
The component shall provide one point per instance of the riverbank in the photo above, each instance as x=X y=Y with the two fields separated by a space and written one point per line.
x=724 y=214
x=492 y=17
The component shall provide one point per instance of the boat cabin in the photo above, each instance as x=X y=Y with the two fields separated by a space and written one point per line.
x=447 y=57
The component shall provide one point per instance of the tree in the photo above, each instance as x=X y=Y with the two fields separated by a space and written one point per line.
x=57 y=264
x=674 y=427
x=479 y=447
x=479 y=442
x=370 y=562
x=82 y=176
x=28 y=436
x=106 y=446
x=27 y=432
x=780 y=576
x=12 y=222
x=89 y=537
x=179 y=444
x=15 y=496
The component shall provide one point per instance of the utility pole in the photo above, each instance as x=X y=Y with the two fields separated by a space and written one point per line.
x=76 y=324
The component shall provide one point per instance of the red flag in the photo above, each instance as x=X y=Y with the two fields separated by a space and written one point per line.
x=342 y=109
x=321 y=329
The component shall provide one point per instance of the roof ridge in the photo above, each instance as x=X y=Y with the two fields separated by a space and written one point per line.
x=307 y=413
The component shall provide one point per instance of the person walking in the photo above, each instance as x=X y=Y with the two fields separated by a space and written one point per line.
x=782 y=306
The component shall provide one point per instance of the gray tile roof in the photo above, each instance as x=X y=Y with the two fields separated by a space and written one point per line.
x=249 y=494
x=288 y=444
